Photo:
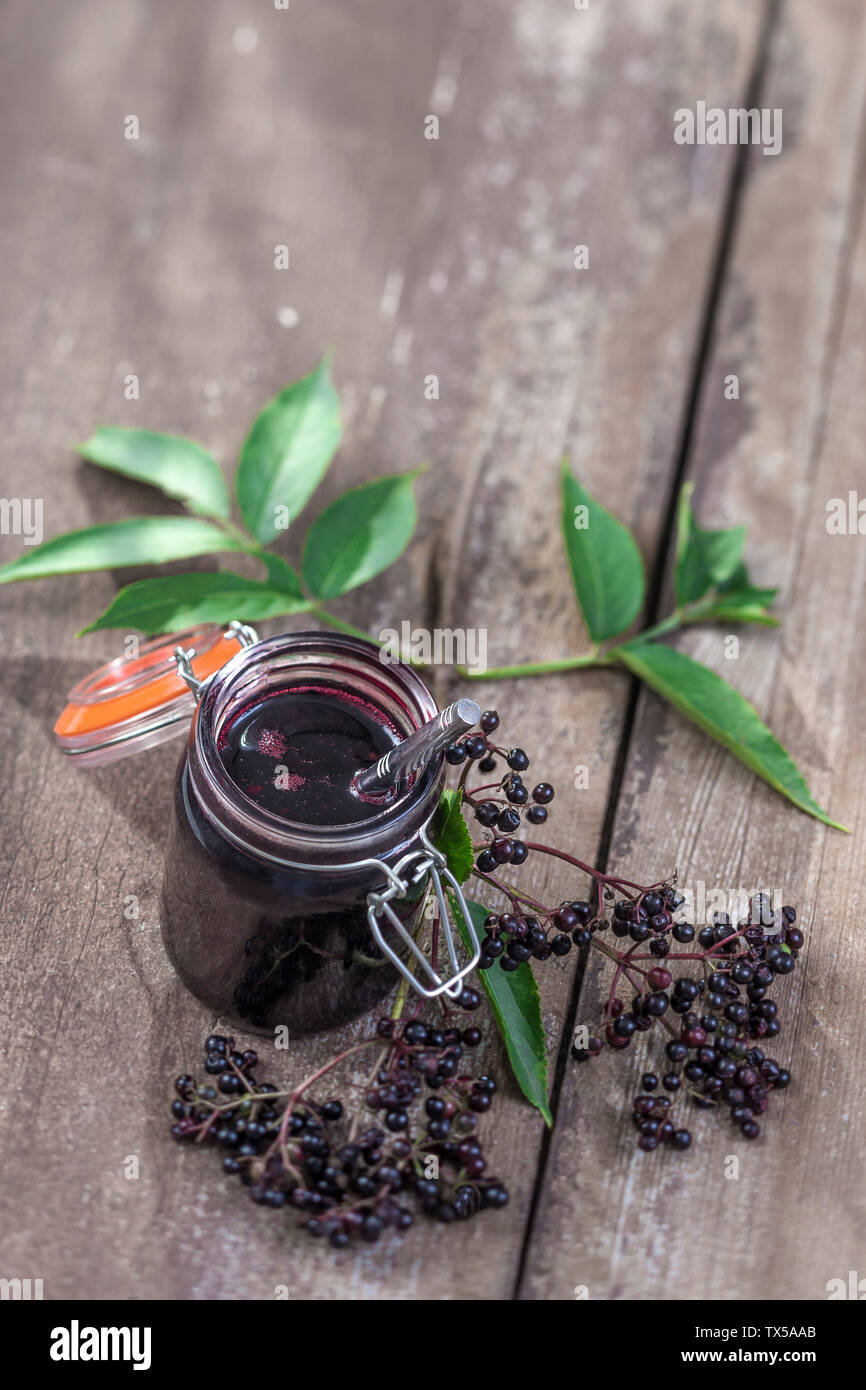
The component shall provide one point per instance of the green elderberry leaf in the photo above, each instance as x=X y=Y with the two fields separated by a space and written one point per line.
x=287 y=453
x=178 y=601
x=281 y=576
x=724 y=714
x=147 y=540
x=516 y=1007
x=359 y=535
x=738 y=600
x=746 y=605
x=606 y=565
x=737 y=579
x=705 y=559
x=178 y=467
x=451 y=835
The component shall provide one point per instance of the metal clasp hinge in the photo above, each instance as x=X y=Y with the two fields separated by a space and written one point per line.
x=408 y=871
x=246 y=636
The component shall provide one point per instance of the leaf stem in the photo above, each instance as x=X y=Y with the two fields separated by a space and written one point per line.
x=689 y=613
x=668 y=624
x=251 y=546
x=325 y=617
x=537 y=668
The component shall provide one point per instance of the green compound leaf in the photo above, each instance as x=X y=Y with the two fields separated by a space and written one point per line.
x=606 y=565
x=287 y=453
x=724 y=714
x=515 y=1004
x=178 y=467
x=148 y=540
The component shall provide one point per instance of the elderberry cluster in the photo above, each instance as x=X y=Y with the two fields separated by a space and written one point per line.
x=345 y=1178
x=511 y=940
x=713 y=1022
x=504 y=804
x=715 y=1015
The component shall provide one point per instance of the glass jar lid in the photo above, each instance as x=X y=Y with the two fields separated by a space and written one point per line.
x=138 y=701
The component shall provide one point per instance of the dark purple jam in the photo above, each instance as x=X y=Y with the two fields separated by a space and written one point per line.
x=295 y=752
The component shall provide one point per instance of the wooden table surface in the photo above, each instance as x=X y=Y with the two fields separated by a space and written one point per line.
x=453 y=257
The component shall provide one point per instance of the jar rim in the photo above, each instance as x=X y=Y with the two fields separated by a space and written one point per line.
x=263 y=832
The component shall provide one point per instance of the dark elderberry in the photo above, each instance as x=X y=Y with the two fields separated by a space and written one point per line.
x=659 y=978
x=683 y=932
x=415 y=1033
x=516 y=793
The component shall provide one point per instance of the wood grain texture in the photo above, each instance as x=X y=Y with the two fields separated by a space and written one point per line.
x=411 y=257
x=776 y=456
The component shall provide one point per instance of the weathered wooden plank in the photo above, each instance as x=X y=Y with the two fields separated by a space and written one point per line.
x=630 y=1225
x=451 y=257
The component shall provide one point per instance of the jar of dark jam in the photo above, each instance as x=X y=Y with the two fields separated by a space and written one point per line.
x=271 y=858
x=288 y=899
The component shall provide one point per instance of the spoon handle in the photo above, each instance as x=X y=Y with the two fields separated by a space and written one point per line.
x=416 y=751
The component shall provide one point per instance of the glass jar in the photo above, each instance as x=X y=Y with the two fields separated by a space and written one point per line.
x=272 y=922
x=264 y=919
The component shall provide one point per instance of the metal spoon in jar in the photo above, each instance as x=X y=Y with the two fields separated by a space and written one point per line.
x=415 y=752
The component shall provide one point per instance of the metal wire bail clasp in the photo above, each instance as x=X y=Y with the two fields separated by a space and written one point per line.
x=245 y=635
x=407 y=872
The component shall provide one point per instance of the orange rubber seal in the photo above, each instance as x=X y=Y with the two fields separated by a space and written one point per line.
x=105 y=709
